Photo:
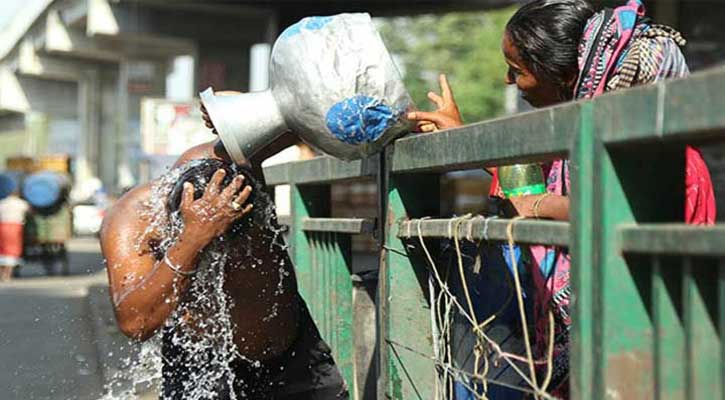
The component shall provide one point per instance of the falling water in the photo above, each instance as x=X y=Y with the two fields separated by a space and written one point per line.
x=207 y=343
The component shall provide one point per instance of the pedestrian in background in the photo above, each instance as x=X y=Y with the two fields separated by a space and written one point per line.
x=13 y=210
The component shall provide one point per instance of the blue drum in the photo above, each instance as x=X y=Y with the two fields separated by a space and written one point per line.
x=46 y=189
x=8 y=183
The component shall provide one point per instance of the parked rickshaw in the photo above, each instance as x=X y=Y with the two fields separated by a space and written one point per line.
x=49 y=227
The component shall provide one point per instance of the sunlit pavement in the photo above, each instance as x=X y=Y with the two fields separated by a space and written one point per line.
x=47 y=345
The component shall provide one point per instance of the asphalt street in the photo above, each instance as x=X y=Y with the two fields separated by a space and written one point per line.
x=47 y=345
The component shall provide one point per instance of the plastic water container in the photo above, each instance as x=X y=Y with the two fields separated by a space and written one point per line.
x=521 y=180
x=45 y=189
x=8 y=183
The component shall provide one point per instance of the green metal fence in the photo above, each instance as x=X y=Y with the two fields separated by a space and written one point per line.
x=649 y=291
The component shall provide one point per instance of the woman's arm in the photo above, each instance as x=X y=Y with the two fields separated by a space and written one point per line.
x=145 y=289
x=550 y=206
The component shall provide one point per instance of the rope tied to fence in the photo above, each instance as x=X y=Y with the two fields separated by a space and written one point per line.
x=441 y=307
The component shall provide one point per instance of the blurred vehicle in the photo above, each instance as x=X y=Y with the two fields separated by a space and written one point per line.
x=49 y=227
x=87 y=219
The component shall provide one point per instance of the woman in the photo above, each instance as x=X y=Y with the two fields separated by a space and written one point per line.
x=560 y=50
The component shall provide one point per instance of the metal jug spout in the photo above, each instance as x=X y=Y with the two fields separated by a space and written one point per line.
x=245 y=122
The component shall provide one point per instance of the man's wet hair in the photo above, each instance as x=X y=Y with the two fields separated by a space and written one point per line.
x=199 y=173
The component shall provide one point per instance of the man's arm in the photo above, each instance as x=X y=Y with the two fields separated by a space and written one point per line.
x=146 y=288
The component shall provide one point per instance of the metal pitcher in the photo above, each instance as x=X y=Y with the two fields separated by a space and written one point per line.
x=333 y=83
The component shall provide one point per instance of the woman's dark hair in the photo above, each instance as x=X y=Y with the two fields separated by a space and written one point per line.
x=199 y=173
x=547 y=34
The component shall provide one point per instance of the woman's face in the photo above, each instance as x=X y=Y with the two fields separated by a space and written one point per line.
x=537 y=92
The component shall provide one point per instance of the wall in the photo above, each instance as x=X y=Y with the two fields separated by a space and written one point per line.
x=52 y=127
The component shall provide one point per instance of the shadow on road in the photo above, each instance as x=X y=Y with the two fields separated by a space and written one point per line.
x=84 y=257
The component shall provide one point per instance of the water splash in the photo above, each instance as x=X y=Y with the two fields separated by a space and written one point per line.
x=139 y=373
x=200 y=329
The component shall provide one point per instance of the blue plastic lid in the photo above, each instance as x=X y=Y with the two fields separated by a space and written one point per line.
x=42 y=189
x=8 y=184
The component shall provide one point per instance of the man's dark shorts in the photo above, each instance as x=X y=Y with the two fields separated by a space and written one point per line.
x=306 y=371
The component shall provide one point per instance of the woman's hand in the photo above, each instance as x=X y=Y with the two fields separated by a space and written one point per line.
x=212 y=214
x=549 y=206
x=205 y=114
x=445 y=117
x=524 y=205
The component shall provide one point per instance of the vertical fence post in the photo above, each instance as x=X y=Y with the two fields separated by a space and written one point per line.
x=669 y=331
x=582 y=252
x=631 y=184
x=404 y=312
x=340 y=303
x=307 y=201
x=702 y=343
x=323 y=264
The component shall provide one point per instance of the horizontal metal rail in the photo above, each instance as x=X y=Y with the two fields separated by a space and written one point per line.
x=284 y=220
x=673 y=239
x=338 y=225
x=688 y=109
x=480 y=228
x=532 y=136
x=320 y=170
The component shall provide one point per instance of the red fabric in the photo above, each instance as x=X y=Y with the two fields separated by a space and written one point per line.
x=495 y=189
x=11 y=239
x=699 y=195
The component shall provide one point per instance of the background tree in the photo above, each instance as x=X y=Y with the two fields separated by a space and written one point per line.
x=465 y=46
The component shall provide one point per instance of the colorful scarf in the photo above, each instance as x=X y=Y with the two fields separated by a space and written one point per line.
x=605 y=38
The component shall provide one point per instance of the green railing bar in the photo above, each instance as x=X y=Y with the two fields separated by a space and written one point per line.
x=703 y=342
x=669 y=332
x=285 y=220
x=533 y=136
x=695 y=105
x=629 y=116
x=654 y=112
x=524 y=231
x=673 y=239
x=320 y=170
x=684 y=108
x=338 y=225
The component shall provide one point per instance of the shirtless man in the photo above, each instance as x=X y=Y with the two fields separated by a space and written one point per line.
x=280 y=352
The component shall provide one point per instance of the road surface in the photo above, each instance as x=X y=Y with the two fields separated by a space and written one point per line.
x=47 y=345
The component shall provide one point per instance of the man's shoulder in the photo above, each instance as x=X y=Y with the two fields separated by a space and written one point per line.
x=128 y=206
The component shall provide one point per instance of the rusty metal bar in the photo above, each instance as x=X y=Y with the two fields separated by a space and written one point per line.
x=320 y=170
x=338 y=225
x=674 y=239
x=524 y=231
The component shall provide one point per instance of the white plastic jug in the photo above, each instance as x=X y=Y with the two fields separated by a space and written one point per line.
x=333 y=83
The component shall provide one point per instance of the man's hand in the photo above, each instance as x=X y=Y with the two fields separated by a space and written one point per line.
x=205 y=114
x=212 y=214
x=445 y=117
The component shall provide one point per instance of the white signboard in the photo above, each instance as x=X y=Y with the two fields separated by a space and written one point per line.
x=169 y=128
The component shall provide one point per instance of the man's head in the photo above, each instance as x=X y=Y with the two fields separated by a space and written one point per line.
x=199 y=172
x=210 y=150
